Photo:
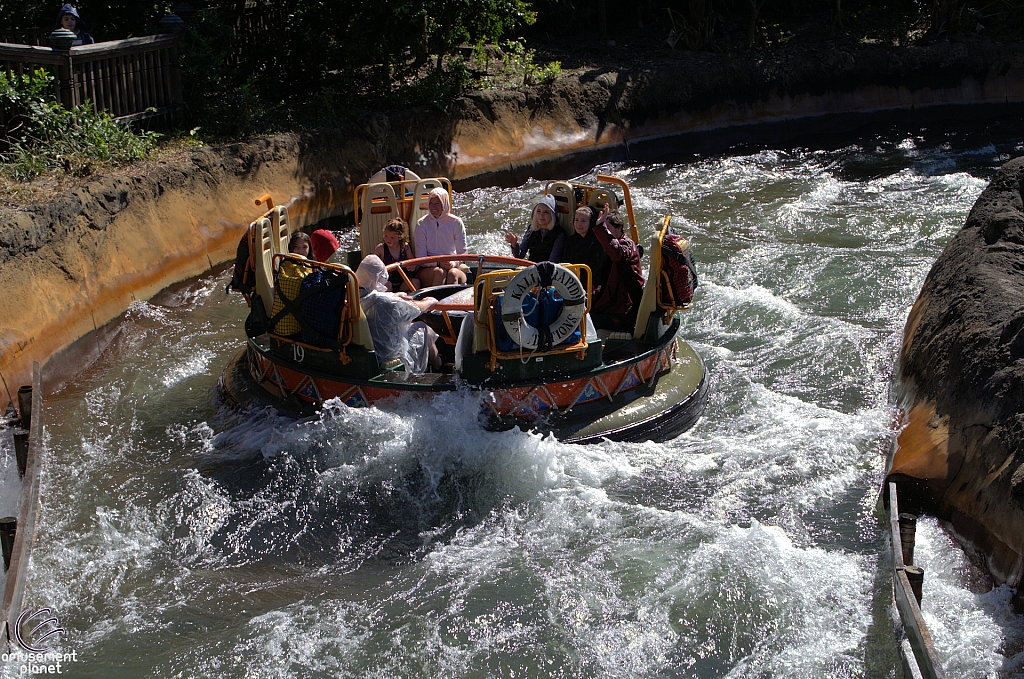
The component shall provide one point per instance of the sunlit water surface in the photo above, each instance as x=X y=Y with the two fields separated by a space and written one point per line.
x=179 y=538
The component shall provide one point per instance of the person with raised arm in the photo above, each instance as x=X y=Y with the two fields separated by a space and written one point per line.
x=543 y=240
x=617 y=305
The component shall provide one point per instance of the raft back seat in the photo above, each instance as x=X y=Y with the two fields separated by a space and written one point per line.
x=261 y=253
x=653 y=310
x=565 y=204
x=379 y=207
x=600 y=196
x=282 y=228
x=378 y=203
x=487 y=289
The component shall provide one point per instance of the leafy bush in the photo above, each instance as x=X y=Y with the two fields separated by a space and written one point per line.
x=44 y=137
x=521 y=69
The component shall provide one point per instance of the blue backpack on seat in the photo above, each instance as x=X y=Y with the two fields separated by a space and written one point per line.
x=322 y=300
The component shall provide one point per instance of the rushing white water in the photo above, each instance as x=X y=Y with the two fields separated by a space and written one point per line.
x=180 y=538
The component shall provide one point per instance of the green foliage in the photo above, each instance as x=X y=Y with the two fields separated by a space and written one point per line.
x=520 y=68
x=456 y=22
x=44 y=137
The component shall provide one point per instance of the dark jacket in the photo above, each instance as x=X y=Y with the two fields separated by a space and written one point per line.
x=587 y=250
x=540 y=245
x=625 y=283
x=84 y=38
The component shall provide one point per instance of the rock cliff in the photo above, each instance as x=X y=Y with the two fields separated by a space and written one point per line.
x=961 y=453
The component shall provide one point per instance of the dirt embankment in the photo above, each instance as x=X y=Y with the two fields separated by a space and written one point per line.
x=70 y=266
x=961 y=455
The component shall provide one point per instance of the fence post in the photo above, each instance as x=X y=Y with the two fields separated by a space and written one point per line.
x=908 y=528
x=66 y=78
x=62 y=39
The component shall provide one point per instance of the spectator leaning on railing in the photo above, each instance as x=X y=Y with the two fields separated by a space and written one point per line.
x=68 y=18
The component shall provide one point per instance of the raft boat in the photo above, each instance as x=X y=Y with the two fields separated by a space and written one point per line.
x=556 y=376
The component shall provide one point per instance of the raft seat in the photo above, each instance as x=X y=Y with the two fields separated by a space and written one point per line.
x=261 y=252
x=654 y=316
x=488 y=290
x=281 y=227
x=565 y=204
x=600 y=196
x=379 y=207
x=353 y=329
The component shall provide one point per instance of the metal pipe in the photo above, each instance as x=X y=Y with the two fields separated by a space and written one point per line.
x=916 y=577
x=21 y=449
x=908 y=528
x=25 y=406
x=8 y=527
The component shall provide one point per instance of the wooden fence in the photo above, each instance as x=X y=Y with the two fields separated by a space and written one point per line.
x=923 y=657
x=133 y=79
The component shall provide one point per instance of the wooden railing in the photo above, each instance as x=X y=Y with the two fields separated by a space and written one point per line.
x=923 y=655
x=26 y=36
x=133 y=79
x=28 y=510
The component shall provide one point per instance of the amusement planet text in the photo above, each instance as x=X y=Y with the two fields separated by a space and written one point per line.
x=40 y=663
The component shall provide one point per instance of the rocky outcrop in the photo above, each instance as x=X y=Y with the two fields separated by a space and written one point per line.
x=961 y=453
x=69 y=267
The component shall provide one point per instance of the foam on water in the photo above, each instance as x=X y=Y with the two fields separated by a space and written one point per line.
x=182 y=538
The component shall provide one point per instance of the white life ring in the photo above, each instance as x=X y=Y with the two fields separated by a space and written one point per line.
x=568 y=286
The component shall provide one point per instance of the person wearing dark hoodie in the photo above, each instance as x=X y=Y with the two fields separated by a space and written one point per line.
x=617 y=305
x=68 y=18
x=582 y=247
x=544 y=238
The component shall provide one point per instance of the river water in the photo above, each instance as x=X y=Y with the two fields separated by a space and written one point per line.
x=180 y=538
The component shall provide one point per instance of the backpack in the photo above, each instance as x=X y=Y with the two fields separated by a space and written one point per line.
x=322 y=300
x=243 y=278
x=678 y=270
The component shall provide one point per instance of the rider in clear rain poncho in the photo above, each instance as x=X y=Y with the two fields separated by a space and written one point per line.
x=390 y=317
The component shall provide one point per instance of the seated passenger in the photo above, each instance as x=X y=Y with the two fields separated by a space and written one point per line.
x=299 y=244
x=617 y=305
x=390 y=317
x=543 y=240
x=582 y=247
x=324 y=244
x=395 y=248
x=440 y=233
x=393 y=173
